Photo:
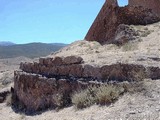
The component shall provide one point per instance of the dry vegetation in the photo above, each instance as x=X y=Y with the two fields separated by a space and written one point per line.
x=101 y=95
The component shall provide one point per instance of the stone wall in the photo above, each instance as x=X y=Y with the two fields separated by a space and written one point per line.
x=59 y=68
x=36 y=92
x=151 y=4
x=40 y=85
x=111 y=16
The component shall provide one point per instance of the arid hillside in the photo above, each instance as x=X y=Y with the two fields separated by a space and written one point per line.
x=145 y=49
x=140 y=104
x=113 y=74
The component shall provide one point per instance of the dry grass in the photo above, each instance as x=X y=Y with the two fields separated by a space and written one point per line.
x=103 y=95
x=84 y=98
x=107 y=94
x=129 y=46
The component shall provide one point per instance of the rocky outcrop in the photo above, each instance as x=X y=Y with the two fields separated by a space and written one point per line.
x=104 y=28
x=44 y=84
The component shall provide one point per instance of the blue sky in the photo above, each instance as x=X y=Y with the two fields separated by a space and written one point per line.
x=47 y=21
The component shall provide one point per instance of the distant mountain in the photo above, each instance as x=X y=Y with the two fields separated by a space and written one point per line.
x=31 y=50
x=6 y=43
x=58 y=44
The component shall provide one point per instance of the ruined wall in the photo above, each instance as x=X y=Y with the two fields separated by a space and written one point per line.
x=151 y=4
x=111 y=16
x=36 y=92
x=41 y=85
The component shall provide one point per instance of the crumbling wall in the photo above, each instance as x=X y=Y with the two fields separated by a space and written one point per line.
x=42 y=85
x=111 y=16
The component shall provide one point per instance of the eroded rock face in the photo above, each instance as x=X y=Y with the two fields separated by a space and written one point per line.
x=40 y=85
x=111 y=16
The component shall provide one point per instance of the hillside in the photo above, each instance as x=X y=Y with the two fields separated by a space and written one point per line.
x=130 y=106
x=31 y=50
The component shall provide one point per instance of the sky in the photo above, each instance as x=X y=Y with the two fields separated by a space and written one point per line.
x=47 y=21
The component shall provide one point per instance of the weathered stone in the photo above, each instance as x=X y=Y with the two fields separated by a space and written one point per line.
x=57 y=61
x=92 y=72
x=76 y=70
x=123 y=72
x=70 y=67
x=154 y=5
x=37 y=92
x=40 y=86
x=111 y=16
x=51 y=61
x=72 y=60
x=47 y=62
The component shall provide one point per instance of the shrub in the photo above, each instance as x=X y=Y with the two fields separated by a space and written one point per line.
x=107 y=94
x=84 y=98
x=102 y=95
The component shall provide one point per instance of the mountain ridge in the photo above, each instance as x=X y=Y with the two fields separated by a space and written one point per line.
x=31 y=50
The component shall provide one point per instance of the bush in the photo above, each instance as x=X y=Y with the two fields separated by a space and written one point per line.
x=84 y=98
x=102 y=95
x=107 y=94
